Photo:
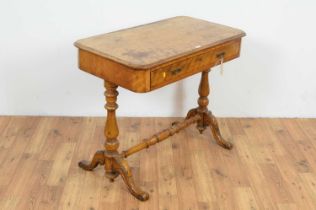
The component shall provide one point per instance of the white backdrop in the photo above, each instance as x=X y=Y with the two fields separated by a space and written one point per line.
x=274 y=77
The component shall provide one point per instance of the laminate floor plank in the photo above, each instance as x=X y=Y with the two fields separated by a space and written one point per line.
x=272 y=165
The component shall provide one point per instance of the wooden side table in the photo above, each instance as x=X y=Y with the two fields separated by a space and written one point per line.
x=148 y=57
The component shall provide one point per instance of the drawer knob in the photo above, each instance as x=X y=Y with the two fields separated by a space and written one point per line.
x=175 y=71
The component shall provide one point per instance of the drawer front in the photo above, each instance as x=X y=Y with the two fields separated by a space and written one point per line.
x=195 y=63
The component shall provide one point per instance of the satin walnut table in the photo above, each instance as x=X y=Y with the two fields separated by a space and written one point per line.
x=148 y=57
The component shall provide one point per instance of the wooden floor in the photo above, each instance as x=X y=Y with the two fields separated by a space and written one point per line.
x=272 y=166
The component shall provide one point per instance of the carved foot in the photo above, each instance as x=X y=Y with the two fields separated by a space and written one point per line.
x=120 y=165
x=97 y=159
x=115 y=165
x=212 y=122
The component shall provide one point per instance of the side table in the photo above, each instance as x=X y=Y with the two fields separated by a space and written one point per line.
x=148 y=57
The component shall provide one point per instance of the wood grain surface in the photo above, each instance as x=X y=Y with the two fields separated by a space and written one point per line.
x=272 y=165
x=149 y=45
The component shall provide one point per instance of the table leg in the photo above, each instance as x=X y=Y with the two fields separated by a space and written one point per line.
x=207 y=118
x=114 y=163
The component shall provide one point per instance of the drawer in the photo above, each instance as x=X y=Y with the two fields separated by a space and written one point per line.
x=194 y=63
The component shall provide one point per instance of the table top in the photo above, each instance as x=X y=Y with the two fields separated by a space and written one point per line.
x=149 y=45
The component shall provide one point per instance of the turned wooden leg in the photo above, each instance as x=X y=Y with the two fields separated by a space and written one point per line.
x=207 y=119
x=114 y=163
x=204 y=91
